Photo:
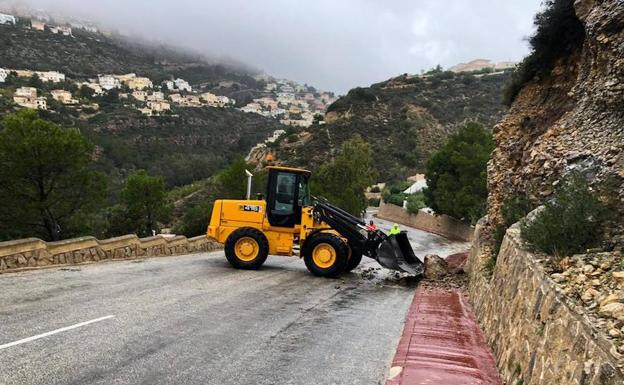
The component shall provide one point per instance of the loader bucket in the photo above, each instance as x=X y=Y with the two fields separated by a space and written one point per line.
x=396 y=253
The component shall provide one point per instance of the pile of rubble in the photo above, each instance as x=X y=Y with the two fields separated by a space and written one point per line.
x=594 y=283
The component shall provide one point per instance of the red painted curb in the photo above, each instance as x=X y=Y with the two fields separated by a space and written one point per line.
x=442 y=343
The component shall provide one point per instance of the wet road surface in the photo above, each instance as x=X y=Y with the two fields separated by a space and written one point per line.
x=422 y=242
x=194 y=320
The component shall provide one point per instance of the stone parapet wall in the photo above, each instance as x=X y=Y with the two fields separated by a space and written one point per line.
x=438 y=224
x=33 y=252
x=537 y=338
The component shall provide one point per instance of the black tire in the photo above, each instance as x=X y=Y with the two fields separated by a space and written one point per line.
x=354 y=261
x=341 y=251
x=261 y=255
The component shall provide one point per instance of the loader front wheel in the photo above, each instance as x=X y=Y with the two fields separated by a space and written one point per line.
x=354 y=261
x=325 y=255
x=246 y=248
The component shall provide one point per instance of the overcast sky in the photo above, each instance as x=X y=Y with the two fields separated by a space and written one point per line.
x=331 y=44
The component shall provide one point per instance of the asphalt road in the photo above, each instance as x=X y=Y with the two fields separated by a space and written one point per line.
x=194 y=320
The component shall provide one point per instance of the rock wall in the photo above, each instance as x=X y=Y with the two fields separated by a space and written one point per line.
x=33 y=252
x=438 y=224
x=536 y=336
x=572 y=119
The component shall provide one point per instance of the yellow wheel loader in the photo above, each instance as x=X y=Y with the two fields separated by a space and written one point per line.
x=289 y=221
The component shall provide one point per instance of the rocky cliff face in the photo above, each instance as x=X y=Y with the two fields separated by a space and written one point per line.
x=571 y=119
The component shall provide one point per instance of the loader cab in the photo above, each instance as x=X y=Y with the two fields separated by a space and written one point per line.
x=288 y=192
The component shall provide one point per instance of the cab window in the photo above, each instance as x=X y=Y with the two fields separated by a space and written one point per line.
x=285 y=193
x=304 y=193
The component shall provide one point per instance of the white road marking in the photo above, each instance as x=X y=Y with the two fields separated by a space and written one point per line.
x=66 y=328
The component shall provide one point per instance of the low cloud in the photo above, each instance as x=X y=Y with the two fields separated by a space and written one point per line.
x=334 y=45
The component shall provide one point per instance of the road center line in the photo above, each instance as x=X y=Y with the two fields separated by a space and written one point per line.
x=66 y=328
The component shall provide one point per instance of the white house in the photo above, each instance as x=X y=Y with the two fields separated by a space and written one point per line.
x=224 y=100
x=420 y=182
x=7 y=19
x=183 y=85
x=170 y=85
x=63 y=30
x=51 y=76
x=28 y=92
x=3 y=74
x=146 y=111
x=108 y=82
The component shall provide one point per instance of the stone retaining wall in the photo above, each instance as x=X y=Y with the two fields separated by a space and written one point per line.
x=33 y=252
x=438 y=224
x=536 y=337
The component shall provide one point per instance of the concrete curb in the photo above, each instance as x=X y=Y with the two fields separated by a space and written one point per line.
x=442 y=343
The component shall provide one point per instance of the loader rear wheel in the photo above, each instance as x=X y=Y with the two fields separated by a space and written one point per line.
x=325 y=255
x=354 y=260
x=246 y=248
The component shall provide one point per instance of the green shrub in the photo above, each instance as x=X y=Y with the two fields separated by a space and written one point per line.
x=513 y=210
x=373 y=202
x=570 y=223
x=393 y=193
x=415 y=202
x=195 y=220
x=456 y=175
x=395 y=199
x=559 y=32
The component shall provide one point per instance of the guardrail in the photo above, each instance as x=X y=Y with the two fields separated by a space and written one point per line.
x=33 y=252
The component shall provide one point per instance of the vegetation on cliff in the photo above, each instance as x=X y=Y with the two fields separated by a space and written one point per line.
x=559 y=32
x=571 y=222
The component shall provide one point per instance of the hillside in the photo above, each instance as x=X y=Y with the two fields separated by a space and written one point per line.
x=183 y=144
x=87 y=54
x=405 y=119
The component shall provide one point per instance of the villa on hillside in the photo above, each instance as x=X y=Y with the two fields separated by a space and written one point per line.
x=155 y=96
x=63 y=96
x=46 y=76
x=108 y=82
x=97 y=89
x=63 y=30
x=7 y=19
x=183 y=85
x=159 y=106
x=139 y=83
x=37 y=25
x=51 y=76
x=27 y=97
x=139 y=95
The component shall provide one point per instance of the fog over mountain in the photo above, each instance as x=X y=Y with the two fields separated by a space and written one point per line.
x=335 y=45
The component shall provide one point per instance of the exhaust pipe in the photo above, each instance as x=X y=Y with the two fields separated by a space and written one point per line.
x=249 y=177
